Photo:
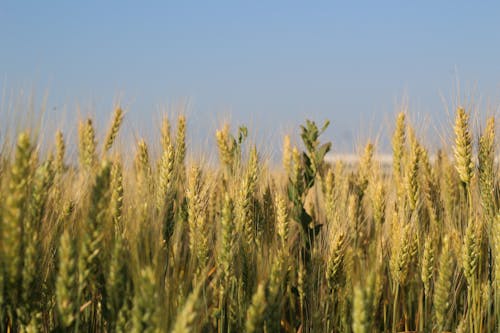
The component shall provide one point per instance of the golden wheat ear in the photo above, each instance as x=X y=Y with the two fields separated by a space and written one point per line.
x=463 y=147
x=443 y=287
x=486 y=172
x=60 y=153
x=113 y=129
x=398 y=146
x=87 y=144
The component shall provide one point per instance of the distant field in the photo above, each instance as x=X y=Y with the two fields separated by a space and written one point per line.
x=408 y=242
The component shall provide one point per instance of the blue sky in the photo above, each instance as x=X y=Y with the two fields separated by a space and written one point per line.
x=269 y=64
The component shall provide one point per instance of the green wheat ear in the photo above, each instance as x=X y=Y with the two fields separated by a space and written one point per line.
x=90 y=264
x=257 y=310
x=244 y=200
x=360 y=312
x=145 y=314
x=365 y=303
x=67 y=281
x=185 y=320
x=116 y=280
x=226 y=254
x=13 y=221
x=33 y=239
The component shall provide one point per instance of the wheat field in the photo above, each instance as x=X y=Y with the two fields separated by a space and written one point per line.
x=98 y=244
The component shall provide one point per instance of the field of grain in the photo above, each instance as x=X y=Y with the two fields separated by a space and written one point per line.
x=163 y=245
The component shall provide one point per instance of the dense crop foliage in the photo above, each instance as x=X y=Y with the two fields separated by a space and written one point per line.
x=165 y=245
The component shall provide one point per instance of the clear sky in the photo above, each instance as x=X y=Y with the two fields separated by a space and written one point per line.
x=269 y=64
